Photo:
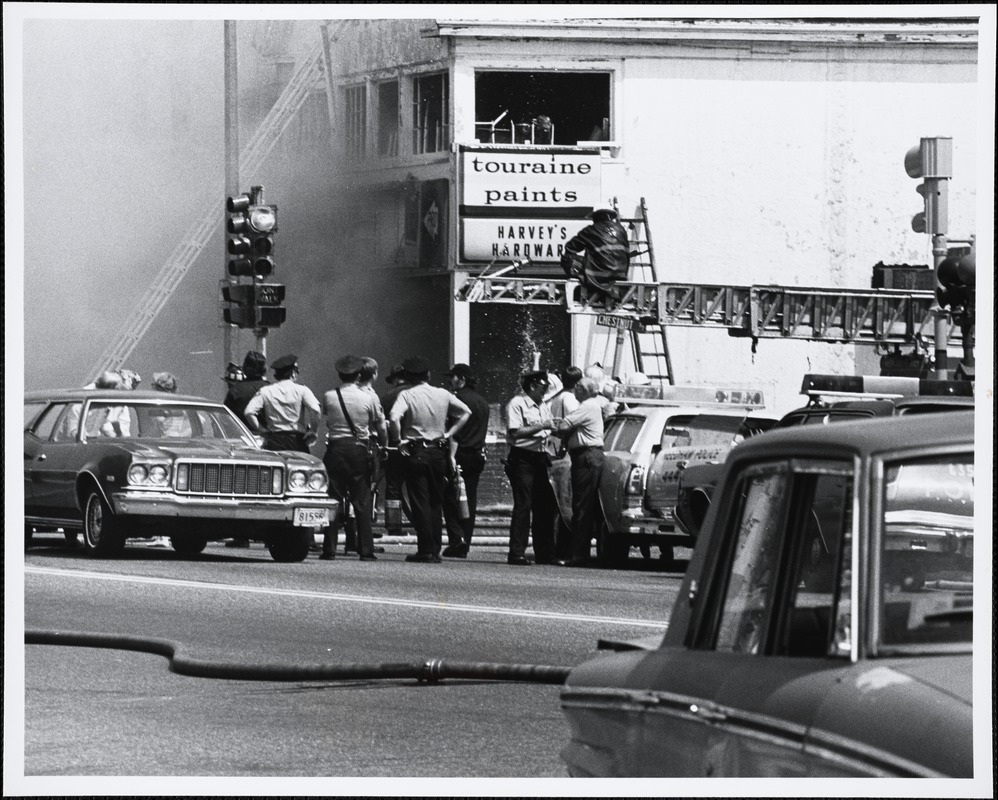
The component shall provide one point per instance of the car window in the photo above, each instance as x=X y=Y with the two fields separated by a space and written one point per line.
x=622 y=433
x=31 y=412
x=106 y=420
x=818 y=619
x=751 y=581
x=927 y=551
x=68 y=426
x=787 y=589
x=165 y=422
x=713 y=429
x=47 y=421
x=676 y=432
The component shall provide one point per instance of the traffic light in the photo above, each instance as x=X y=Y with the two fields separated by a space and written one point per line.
x=957 y=275
x=932 y=160
x=251 y=227
x=259 y=305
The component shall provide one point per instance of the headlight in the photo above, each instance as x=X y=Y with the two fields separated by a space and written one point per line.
x=155 y=475
x=277 y=482
x=183 y=473
x=317 y=482
x=297 y=481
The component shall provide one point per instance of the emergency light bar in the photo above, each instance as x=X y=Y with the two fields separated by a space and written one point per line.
x=665 y=394
x=884 y=387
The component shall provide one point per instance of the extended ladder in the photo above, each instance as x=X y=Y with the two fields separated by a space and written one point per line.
x=306 y=77
x=649 y=348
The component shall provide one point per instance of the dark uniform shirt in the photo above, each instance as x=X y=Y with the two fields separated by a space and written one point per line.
x=472 y=435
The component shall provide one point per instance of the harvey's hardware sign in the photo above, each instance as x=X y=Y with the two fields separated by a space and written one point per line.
x=521 y=203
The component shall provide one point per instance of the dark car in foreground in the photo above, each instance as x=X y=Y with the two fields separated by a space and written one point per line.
x=831 y=399
x=119 y=465
x=775 y=665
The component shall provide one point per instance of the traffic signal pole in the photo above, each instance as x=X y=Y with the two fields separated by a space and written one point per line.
x=942 y=319
x=932 y=161
x=231 y=159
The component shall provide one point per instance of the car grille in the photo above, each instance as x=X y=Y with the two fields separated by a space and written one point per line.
x=232 y=479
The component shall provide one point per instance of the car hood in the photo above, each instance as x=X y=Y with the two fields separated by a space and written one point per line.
x=209 y=449
x=948 y=674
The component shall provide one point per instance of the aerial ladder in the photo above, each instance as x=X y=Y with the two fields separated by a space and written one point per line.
x=310 y=74
x=882 y=317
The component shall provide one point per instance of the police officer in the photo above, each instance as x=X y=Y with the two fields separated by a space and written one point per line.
x=353 y=416
x=584 y=429
x=423 y=421
x=470 y=458
x=529 y=424
x=290 y=412
x=599 y=254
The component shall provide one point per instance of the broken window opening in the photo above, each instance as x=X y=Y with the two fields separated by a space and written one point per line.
x=542 y=107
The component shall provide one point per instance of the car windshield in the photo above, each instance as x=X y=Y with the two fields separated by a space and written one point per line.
x=701 y=430
x=173 y=421
x=927 y=551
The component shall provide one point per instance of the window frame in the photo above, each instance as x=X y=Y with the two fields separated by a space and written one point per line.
x=704 y=632
x=418 y=145
x=355 y=124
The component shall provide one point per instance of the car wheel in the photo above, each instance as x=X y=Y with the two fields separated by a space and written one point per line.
x=101 y=534
x=187 y=546
x=288 y=546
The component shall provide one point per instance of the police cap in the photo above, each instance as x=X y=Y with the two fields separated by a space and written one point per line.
x=415 y=366
x=539 y=376
x=285 y=363
x=349 y=365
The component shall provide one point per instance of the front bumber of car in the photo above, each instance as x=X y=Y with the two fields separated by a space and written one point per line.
x=279 y=498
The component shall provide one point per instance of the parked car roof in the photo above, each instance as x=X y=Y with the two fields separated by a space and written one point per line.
x=113 y=394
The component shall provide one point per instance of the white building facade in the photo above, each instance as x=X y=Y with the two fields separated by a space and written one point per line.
x=767 y=152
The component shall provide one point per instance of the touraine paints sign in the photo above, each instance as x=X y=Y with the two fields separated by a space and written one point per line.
x=525 y=203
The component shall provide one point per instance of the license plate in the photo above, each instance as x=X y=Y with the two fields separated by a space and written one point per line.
x=312 y=517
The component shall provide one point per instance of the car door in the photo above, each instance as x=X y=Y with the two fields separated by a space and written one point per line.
x=687 y=439
x=52 y=456
x=32 y=410
x=623 y=431
x=787 y=625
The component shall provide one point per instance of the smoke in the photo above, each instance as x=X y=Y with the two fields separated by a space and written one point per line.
x=122 y=132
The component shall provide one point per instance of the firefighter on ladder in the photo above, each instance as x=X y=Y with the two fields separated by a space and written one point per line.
x=598 y=256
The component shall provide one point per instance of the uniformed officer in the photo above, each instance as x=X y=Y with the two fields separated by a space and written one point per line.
x=419 y=424
x=529 y=425
x=584 y=430
x=289 y=412
x=353 y=415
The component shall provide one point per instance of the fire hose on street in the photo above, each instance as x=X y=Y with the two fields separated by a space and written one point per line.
x=431 y=671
